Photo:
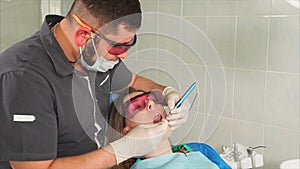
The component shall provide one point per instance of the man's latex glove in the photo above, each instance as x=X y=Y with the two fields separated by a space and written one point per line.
x=140 y=141
x=179 y=115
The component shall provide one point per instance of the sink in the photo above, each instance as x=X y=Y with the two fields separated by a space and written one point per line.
x=290 y=164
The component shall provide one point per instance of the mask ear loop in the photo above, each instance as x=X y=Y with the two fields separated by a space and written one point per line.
x=81 y=51
x=80 y=54
x=94 y=45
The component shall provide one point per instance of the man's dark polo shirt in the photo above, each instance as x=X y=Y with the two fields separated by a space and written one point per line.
x=37 y=80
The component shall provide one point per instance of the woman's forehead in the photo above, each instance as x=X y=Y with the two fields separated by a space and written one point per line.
x=131 y=95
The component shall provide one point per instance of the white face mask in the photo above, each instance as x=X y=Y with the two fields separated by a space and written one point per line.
x=101 y=64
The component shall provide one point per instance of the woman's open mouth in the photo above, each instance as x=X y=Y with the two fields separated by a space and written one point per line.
x=157 y=118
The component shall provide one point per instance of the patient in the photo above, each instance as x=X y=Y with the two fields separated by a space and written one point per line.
x=135 y=107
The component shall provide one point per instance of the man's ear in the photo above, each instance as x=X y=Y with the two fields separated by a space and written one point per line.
x=126 y=130
x=81 y=35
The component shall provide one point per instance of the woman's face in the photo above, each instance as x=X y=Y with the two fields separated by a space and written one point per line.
x=143 y=108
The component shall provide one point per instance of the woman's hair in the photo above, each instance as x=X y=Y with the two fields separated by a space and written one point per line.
x=114 y=12
x=117 y=123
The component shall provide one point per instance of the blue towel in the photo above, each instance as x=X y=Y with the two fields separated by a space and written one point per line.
x=210 y=153
x=193 y=160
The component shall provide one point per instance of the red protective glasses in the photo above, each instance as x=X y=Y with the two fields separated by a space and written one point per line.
x=138 y=103
x=115 y=47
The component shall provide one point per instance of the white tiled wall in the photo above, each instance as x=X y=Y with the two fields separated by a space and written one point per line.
x=258 y=44
x=18 y=20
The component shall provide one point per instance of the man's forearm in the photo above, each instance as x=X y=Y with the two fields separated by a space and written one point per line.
x=145 y=84
x=101 y=158
x=97 y=159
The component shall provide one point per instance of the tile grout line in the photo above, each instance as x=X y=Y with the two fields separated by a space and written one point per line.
x=157 y=37
x=267 y=69
x=233 y=78
x=205 y=75
x=266 y=78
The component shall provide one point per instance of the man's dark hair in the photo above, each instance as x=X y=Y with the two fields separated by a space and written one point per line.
x=112 y=12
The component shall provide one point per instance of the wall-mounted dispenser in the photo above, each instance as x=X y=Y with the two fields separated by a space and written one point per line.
x=242 y=157
x=257 y=159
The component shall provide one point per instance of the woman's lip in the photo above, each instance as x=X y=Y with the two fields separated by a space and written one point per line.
x=158 y=117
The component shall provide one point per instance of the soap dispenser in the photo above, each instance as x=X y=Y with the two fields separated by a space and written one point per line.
x=256 y=158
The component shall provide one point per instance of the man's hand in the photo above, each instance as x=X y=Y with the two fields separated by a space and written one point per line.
x=140 y=141
x=179 y=115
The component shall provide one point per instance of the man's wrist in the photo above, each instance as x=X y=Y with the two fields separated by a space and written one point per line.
x=110 y=149
x=121 y=149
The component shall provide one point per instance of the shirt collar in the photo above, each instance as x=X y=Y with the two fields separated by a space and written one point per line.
x=52 y=47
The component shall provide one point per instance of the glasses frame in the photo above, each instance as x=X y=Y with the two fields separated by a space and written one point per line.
x=128 y=102
x=101 y=36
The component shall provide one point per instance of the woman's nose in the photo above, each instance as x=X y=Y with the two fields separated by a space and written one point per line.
x=150 y=104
